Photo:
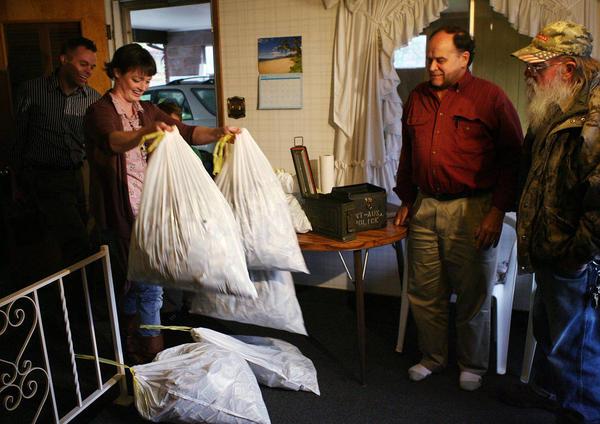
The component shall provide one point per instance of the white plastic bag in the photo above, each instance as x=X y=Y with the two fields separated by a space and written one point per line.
x=286 y=180
x=185 y=235
x=275 y=363
x=276 y=305
x=250 y=186
x=299 y=218
x=198 y=383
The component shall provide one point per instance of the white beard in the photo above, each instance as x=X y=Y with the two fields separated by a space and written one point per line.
x=544 y=100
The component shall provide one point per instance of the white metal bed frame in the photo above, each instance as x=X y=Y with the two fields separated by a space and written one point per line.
x=19 y=383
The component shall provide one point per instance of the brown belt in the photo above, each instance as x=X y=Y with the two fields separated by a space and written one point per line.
x=444 y=197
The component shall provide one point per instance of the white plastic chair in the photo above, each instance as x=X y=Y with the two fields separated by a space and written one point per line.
x=503 y=294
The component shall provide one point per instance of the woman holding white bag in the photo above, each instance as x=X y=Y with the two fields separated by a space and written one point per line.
x=116 y=127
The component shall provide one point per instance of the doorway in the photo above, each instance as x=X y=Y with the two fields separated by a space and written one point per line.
x=182 y=37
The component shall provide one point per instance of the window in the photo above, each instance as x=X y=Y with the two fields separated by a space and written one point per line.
x=176 y=96
x=207 y=98
x=158 y=54
x=410 y=60
x=207 y=69
x=413 y=55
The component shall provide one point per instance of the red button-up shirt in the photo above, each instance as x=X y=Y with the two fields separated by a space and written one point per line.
x=470 y=139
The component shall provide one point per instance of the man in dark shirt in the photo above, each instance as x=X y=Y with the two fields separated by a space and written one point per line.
x=49 y=151
x=456 y=178
x=559 y=221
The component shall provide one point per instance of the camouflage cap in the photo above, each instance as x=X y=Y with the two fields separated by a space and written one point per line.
x=557 y=39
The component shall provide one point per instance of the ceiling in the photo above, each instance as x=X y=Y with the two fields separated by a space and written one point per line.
x=173 y=19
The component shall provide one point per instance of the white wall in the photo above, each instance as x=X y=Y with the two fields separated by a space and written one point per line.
x=241 y=23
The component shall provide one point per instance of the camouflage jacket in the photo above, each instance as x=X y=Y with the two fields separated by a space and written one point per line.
x=559 y=209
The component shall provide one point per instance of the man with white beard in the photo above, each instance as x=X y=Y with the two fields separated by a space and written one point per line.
x=559 y=216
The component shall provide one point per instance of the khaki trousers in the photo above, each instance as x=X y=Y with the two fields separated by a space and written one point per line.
x=443 y=259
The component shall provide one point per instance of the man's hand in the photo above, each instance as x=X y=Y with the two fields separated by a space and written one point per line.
x=403 y=214
x=487 y=234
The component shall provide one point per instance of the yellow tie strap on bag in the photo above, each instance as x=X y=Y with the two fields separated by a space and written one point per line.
x=219 y=153
x=155 y=138
x=166 y=327
x=103 y=361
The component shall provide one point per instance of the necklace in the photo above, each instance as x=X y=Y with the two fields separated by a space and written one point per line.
x=133 y=121
x=134 y=124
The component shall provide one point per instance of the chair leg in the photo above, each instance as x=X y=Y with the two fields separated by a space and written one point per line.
x=503 y=317
x=530 y=342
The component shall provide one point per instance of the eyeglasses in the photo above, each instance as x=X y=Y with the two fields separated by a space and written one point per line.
x=537 y=68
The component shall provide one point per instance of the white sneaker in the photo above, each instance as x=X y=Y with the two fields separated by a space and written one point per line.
x=418 y=372
x=469 y=381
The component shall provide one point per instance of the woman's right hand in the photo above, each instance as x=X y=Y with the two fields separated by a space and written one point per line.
x=153 y=135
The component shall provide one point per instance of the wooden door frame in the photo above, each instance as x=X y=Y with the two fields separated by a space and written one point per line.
x=214 y=10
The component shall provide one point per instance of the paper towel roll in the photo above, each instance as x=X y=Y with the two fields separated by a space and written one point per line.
x=326 y=173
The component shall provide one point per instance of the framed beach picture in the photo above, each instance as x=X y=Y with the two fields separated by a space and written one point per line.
x=280 y=55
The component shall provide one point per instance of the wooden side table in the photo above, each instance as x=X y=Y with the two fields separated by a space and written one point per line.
x=364 y=241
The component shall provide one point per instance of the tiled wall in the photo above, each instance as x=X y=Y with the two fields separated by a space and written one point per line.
x=242 y=22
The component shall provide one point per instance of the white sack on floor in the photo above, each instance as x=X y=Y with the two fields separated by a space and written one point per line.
x=185 y=235
x=198 y=383
x=276 y=305
x=275 y=363
x=249 y=184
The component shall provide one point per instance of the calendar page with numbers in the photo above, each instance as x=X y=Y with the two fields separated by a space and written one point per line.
x=280 y=91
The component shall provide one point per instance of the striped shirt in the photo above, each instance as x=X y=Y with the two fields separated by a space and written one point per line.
x=50 y=124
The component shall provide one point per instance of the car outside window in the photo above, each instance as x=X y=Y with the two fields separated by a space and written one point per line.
x=206 y=96
x=176 y=96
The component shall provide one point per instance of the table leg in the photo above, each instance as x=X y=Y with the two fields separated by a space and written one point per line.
x=399 y=259
x=360 y=312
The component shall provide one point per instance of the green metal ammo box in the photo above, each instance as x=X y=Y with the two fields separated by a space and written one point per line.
x=330 y=216
x=369 y=204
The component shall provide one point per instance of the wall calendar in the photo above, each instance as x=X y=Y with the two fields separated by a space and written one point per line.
x=280 y=91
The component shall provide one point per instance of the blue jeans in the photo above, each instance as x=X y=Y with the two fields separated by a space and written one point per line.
x=145 y=300
x=567 y=329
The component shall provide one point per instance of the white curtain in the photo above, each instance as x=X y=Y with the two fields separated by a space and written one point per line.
x=367 y=110
x=528 y=17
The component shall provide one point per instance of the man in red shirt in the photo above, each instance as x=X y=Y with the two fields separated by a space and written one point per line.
x=456 y=178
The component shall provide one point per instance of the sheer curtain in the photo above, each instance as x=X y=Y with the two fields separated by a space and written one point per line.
x=367 y=109
x=528 y=17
